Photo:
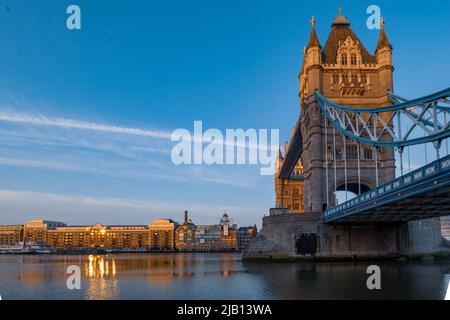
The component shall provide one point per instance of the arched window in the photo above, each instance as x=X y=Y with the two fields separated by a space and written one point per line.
x=344 y=59
x=353 y=59
x=330 y=152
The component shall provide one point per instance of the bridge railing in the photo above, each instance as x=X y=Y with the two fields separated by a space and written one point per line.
x=410 y=178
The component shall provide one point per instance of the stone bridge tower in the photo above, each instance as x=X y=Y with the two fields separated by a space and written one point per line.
x=347 y=74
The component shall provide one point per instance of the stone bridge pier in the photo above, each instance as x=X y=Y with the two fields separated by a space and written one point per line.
x=305 y=236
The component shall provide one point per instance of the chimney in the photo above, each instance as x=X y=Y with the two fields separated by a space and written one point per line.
x=185 y=216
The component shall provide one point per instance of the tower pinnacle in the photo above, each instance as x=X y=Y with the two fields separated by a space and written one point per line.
x=340 y=20
x=383 y=41
x=313 y=40
x=313 y=22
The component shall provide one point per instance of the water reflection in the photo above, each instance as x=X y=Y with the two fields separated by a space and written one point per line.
x=99 y=266
x=446 y=287
x=101 y=283
x=160 y=270
x=213 y=276
x=348 y=280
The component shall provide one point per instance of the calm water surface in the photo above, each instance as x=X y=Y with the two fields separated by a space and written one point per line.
x=212 y=276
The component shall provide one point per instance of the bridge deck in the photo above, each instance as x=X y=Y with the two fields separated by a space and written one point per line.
x=420 y=194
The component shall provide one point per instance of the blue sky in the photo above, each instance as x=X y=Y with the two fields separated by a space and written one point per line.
x=71 y=101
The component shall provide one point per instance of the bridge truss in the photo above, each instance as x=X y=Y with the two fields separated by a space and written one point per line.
x=405 y=123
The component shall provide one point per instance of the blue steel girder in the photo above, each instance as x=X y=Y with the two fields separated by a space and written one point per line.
x=375 y=126
x=293 y=154
x=422 y=193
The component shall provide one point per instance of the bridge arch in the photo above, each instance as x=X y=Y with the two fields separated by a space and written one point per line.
x=352 y=184
x=346 y=190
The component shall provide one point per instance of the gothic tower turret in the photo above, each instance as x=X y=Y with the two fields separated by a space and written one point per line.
x=346 y=73
x=383 y=53
x=311 y=69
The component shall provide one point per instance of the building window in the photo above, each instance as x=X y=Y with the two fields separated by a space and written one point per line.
x=345 y=78
x=354 y=78
x=344 y=59
x=364 y=78
x=353 y=59
x=335 y=78
x=352 y=152
x=368 y=154
x=338 y=154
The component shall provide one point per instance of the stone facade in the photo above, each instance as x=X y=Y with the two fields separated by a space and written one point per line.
x=219 y=237
x=245 y=235
x=162 y=234
x=282 y=235
x=289 y=192
x=99 y=236
x=11 y=235
x=445 y=227
x=347 y=74
x=36 y=231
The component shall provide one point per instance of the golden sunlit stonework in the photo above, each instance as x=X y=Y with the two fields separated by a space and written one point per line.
x=289 y=192
x=346 y=73
x=11 y=235
x=43 y=236
x=36 y=231
x=98 y=236
x=162 y=234
x=191 y=237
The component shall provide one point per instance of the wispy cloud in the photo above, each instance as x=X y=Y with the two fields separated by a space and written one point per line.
x=42 y=164
x=77 y=124
x=41 y=120
x=19 y=206
x=137 y=171
x=38 y=141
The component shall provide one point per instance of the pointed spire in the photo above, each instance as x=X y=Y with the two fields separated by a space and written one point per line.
x=313 y=39
x=280 y=156
x=279 y=161
x=340 y=20
x=383 y=40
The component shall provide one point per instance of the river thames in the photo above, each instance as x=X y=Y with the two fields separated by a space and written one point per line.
x=213 y=276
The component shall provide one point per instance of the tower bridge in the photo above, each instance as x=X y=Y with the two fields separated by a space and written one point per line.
x=352 y=135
